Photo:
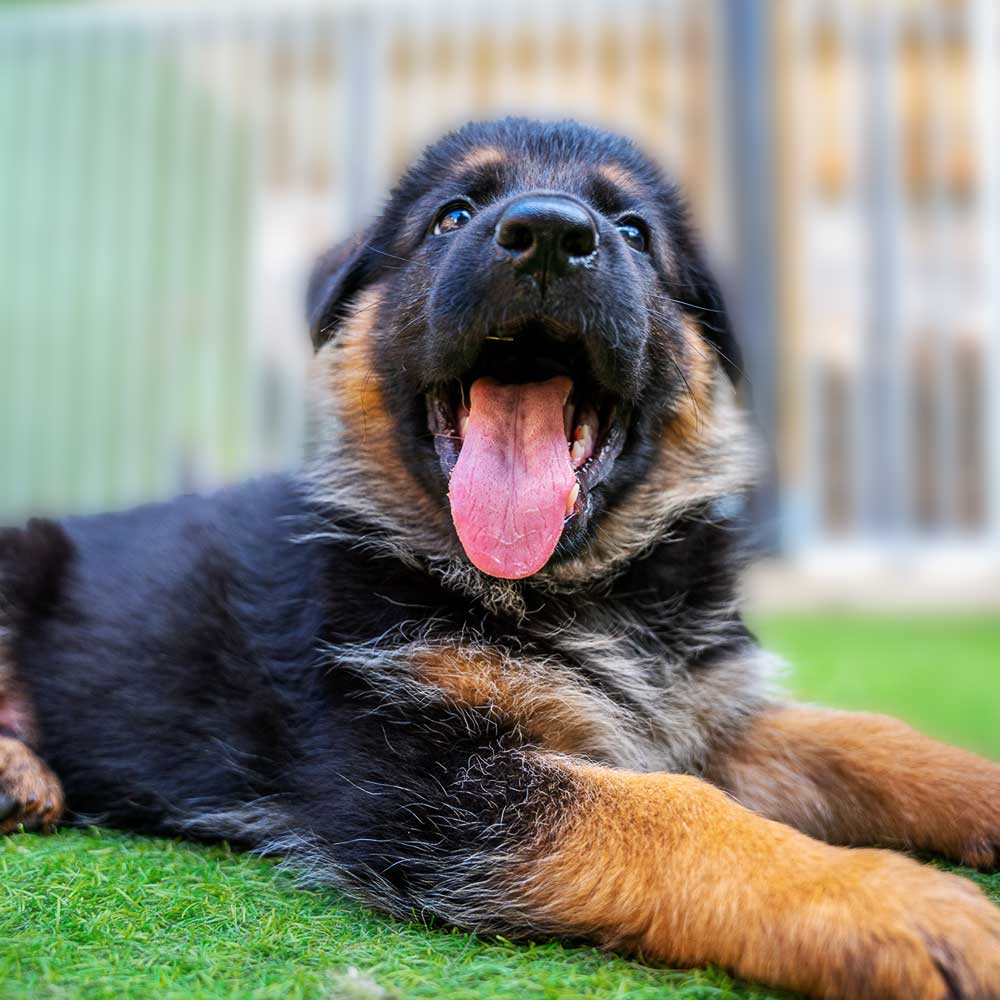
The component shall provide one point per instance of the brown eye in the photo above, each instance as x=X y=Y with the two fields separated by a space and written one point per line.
x=450 y=218
x=634 y=233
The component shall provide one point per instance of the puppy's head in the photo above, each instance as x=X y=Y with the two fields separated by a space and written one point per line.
x=523 y=354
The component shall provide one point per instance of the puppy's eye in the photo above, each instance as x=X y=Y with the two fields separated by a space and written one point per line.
x=452 y=217
x=634 y=233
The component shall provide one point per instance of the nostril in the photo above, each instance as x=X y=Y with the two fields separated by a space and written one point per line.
x=514 y=235
x=579 y=241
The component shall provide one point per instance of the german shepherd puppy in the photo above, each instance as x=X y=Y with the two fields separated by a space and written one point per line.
x=483 y=659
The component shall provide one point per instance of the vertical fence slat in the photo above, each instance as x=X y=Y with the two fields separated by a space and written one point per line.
x=260 y=46
x=214 y=319
x=53 y=285
x=27 y=99
x=749 y=99
x=181 y=210
x=720 y=132
x=941 y=291
x=803 y=503
x=850 y=25
x=138 y=236
x=887 y=441
x=290 y=360
x=985 y=31
x=629 y=27
x=10 y=63
x=673 y=21
x=592 y=24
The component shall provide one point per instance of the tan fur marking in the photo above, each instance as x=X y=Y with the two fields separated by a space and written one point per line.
x=699 y=368
x=616 y=174
x=27 y=780
x=669 y=867
x=360 y=438
x=351 y=382
x=481 y=157
x=550 y=706
x=854 y=778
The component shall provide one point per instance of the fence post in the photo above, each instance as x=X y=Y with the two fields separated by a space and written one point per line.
x=985 y=26
x=749 y=61
x=361 y=51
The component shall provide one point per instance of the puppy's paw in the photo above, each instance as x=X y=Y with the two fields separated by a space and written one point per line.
x=977 y=827
x=919 y=934
x=962 y=820
x=30 y=794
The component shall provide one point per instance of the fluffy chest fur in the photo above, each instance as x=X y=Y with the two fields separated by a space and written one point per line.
x=638 y=687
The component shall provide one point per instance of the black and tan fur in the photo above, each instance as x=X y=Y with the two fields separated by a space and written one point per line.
x=309 y=665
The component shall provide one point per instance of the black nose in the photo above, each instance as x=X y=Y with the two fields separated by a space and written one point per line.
x=546 y=234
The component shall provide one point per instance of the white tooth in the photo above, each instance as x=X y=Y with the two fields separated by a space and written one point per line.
x=583 y=445
x=571 y=498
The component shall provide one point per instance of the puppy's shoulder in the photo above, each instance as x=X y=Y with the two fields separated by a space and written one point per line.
x=178 y=535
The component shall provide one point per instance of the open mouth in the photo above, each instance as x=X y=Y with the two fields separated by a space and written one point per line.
x=523 y=437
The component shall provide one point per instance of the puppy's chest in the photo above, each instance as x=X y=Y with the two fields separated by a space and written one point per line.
x=593 y=694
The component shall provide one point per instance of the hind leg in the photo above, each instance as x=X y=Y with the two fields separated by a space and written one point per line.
x=30 y=794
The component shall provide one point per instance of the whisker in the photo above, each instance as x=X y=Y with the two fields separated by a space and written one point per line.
x=690 y=305
x=740 y=370
x=405 y=260
x=694 y=399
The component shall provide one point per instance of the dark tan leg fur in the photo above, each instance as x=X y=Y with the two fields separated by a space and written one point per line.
x=853 y=778
x=671 y=868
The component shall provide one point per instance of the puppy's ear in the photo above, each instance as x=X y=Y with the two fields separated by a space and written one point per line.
x=337 y=276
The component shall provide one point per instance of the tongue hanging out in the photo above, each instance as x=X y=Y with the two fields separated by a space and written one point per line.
x=513 y=480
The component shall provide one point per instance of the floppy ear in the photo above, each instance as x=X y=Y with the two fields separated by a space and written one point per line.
x=704 y=297
x=337 y=276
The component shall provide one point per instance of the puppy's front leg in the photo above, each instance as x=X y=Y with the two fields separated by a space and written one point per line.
x=855 y=778
x=670 y=867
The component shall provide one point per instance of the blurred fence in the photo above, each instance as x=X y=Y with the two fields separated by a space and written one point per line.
x=889 y=125
x=168 y=173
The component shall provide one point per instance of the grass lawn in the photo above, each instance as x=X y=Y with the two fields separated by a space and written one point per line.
x=95 y=914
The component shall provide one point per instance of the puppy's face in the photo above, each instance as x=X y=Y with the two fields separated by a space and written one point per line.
x=514 y=337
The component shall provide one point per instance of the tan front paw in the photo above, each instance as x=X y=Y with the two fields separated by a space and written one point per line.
x=30 y=794
x=915 y=934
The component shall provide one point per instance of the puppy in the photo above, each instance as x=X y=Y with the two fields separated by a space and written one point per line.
x=483 y=657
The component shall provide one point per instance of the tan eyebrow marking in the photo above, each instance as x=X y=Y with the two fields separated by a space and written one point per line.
x=616 y=174
x=480 y=157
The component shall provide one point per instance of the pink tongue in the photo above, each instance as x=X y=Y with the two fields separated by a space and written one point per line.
x=513 y=476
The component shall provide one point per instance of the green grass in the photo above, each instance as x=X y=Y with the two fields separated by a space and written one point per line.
x=97 y=914
x=941 y=675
